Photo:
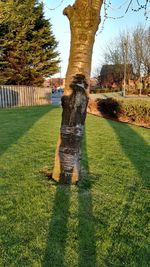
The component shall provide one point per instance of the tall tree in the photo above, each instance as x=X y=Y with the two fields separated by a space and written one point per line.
x=84 y=18
x=138 y=49
x=28 y=46
x=146 y=51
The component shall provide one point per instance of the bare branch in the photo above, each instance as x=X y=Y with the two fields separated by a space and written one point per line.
x=52 y=9
x=128 y=6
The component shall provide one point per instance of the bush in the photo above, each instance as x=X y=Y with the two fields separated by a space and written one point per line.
x=136 y=110
x=109 y=107
x=98 y=90
x=130 y=110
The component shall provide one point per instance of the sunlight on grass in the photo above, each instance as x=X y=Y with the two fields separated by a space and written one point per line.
x=101 y=222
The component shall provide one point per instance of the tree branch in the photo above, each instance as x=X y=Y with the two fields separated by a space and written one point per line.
x=68 y=11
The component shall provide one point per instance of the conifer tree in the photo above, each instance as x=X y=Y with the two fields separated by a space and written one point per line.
x=28 y=46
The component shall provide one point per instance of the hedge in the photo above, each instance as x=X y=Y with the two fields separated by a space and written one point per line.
x=135 y=111
x=104 y=90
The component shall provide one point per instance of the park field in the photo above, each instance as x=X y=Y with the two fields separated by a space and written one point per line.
x=101 y=222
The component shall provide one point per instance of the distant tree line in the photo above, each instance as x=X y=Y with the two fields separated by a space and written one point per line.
x=135 y=46
x=28 y=47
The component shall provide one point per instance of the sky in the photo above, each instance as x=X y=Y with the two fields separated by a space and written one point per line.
x=53 y=10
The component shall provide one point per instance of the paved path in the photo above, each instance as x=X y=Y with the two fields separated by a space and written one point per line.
x=56 y=99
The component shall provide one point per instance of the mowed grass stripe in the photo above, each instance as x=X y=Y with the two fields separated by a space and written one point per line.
x=101 y=222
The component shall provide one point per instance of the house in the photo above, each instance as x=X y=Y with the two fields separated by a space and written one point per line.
x=112 y=76
x=54 y=83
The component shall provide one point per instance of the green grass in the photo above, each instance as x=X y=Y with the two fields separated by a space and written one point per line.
x=102 y=222
x=106 y=95
x=118 y=95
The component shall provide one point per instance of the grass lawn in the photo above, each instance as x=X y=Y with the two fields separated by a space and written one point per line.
x=104 y=95
x=102 y=222
x=118 y=94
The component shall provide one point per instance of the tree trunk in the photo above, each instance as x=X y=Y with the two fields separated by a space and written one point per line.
x=84 y=20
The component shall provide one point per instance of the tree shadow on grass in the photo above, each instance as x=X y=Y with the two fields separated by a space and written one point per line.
x=16 y=122
x=55 y=249
x=86 y=227
x=58 y=229
x=135 y=148
x=119 y=257
x=138 y=152
x=131 y=143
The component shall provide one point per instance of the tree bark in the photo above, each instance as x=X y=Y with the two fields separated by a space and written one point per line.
x=84 y=18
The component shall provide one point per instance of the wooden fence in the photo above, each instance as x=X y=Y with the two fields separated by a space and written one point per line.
x=17 y=96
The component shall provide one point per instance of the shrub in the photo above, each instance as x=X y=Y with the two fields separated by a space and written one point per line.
x=109 y=107
x=136 y=110
x=98 y=90
x=131 y=110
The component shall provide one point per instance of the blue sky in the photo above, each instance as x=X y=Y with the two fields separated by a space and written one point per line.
x=111 y=28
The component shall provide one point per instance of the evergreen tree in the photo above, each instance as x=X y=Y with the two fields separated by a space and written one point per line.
x=28 y=46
